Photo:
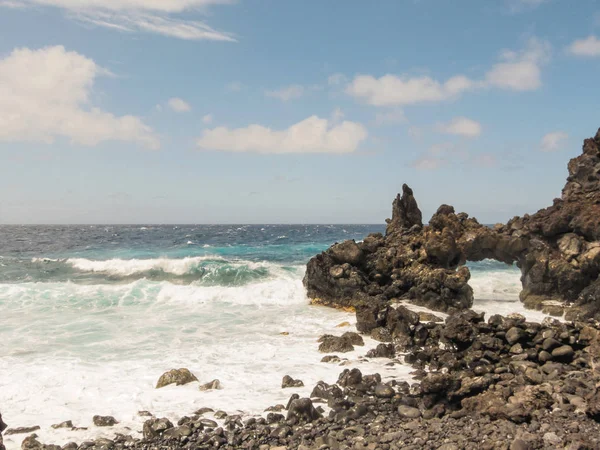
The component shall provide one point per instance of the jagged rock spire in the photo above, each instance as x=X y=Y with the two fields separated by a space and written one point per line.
x=405 y=212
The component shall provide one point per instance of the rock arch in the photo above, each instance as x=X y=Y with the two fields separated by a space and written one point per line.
x=557 y=250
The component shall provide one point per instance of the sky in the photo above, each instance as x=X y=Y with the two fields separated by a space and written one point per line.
x=288 y=111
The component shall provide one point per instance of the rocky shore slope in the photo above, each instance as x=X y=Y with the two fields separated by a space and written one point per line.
x=502 y=383
x=557 y=250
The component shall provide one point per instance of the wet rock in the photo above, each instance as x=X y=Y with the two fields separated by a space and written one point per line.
x=326 y=391
x=31 y=443
x=214 y=384
x=331 y=344
x=382 y=351
x=289 y=382
x=155 y=427
x=66 y=424
x=350 y=377
x=104 y=421
x=21 y=430
x=302 y=410
x=177 y=377
x=354 y=338
x=333 y=359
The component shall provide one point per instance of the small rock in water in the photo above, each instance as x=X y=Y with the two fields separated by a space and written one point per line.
x=331 y=344
x=284 y=333
x=220 y=414
x=66 y=424
x=343 y=324
x=214 y=384
x=145 y=414
x=104 y=421
x=354 y=338
x=275 y=408
x=177 y=376
x=331 y=359
x=204 y=410
x=288 y=382
x=21 y=430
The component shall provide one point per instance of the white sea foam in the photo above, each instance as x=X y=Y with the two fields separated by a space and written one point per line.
x=78 y=351
x=71 y=351
x=128 y=267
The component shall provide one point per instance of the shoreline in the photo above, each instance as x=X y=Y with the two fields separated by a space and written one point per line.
x=395 y=382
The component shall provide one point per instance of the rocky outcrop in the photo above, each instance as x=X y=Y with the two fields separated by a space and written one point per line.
x=557 y=250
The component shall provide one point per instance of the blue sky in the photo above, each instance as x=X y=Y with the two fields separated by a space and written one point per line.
x=284 y=111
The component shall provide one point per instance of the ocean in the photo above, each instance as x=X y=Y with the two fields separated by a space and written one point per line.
x=91 y=316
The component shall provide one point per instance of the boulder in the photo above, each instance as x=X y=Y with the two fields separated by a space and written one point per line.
x=104 y=421
x=155 y=427
x=335 y=344
x=214 y=384
x=302 y=410
x=177 y=377
x=289 y=382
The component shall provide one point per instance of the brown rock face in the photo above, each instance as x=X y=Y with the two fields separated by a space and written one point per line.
x=557 y=250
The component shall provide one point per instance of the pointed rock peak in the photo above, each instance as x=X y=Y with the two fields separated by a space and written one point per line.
x=405 y=212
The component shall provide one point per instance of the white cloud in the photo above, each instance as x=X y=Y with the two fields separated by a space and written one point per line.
x=589 y=46
x=312 y=135
x=554 y=141
x=45 y=94
x=179 y=105
x=392 y=90
x=207 y=119
x=518 y=71
x=152 y=16
x=390 y=117
x=285 y=94
x=460 y=126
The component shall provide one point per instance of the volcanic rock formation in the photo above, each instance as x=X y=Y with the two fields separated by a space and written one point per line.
x=557 y=250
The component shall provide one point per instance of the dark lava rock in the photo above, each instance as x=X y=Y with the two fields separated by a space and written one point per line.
x=302 y=410
x=176 y=376
x=382 y=351
x=66 y=424
x=104 y=421
x=331 y=344
x=289 y=382
x=155 y=427
x=326 y=391
x=21 y=430
x=557 y=250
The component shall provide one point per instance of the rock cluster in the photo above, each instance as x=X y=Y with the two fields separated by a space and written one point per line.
x=502 y=383
x=557 y=250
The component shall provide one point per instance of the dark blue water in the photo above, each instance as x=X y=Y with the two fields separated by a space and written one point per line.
x=184 y=253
